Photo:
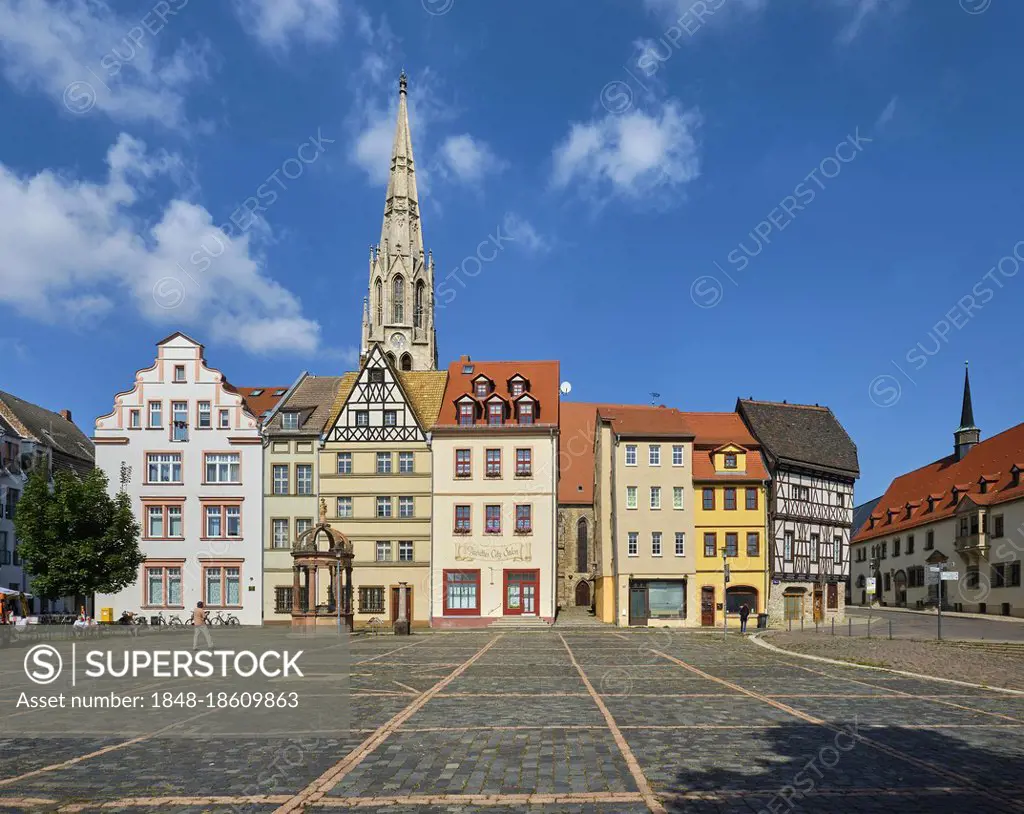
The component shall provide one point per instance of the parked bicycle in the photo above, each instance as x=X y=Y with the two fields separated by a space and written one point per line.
x=219 y=618
x=174 y=620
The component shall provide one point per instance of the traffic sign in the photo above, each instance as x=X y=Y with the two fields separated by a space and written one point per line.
x=870 y=585
x=950 y=575
x=935 y=568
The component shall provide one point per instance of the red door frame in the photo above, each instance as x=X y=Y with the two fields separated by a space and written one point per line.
x=536 y=591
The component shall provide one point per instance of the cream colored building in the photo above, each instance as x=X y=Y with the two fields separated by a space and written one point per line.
x=375 y=476
x=495 y=448
x=291 y=464
x=644 y=511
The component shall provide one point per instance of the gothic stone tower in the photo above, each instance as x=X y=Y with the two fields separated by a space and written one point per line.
x=399 y=313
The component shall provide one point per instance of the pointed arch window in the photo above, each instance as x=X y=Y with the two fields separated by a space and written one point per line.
x=398 y=300
x=378 y=301
x=417 y=315
x=581 y=546
x=406 y=361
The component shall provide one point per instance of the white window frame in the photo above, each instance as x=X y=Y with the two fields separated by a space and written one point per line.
x=174 y=460
x=406 y=501
x=224 y=419
x=223 y=463
x=655 y=543
x=631 y=497
x=384 y=458
x=655 y=497
x=290 y=420
x=654 y=454
x=382 y=547
x=630 y=454
x=678 y=456
x=344 y=509
x=299 y=468
x=406 y=547
x=406 y=463
x=678 y=499
x=287 y=481
x=347 y=458
x=204 y=411
x=384 y=503
x=632 y=544
x=680 y=544
x=279 y=533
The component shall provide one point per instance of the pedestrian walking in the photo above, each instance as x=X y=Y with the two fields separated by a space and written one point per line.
x=199 y=616
x=744 y=613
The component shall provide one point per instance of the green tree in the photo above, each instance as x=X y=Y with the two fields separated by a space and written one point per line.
x=74 y=538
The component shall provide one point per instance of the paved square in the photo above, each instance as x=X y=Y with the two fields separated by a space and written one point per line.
x=581 y=721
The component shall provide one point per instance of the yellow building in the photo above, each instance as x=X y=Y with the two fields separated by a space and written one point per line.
x=730 y=519
x=375 y=476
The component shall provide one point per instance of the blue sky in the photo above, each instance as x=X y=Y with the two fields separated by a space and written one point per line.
x=810 y=200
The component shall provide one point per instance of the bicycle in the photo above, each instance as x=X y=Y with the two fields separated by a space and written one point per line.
x=219 y=619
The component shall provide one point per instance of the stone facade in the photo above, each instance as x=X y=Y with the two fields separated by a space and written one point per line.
x=569 y=594
x=801 y=598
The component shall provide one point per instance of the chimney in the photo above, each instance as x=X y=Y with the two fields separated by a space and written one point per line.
x=66 y=415
x=465 y=358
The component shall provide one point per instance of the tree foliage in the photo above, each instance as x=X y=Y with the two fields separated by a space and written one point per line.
x=75 y=539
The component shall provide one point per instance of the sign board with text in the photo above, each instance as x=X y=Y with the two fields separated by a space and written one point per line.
x=950 y=575
x=870 y=585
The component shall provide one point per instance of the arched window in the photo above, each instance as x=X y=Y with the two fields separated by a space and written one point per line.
x=398 y=300
x=581 y=546
x=378 y=301
x=417 y=314
x=392 y=359
x=406 y=361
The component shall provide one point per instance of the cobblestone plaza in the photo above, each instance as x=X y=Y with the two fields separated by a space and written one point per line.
x=582 y=721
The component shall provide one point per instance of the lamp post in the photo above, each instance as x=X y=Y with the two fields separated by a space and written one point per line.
x=725 y=593
x=337 y=588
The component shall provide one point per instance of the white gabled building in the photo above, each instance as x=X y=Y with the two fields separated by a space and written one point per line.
x=190 y=455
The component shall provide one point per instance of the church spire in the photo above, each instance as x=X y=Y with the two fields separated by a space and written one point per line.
x=966 y=435
x=400 y=311
x=401 y=230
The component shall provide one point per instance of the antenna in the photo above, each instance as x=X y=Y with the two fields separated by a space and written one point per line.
x=566 y=388
x=654 y=398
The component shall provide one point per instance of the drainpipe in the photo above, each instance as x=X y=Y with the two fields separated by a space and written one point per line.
x=615 y=533
x=553 y=434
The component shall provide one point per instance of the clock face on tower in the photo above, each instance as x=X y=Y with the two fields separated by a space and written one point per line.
x=398 y=341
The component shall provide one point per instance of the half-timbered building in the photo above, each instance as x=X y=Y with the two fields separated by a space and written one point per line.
x=375 y=476
x=813 y=466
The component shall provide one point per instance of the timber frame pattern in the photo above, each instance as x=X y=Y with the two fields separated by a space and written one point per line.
x=807 y=505
x=376 y=395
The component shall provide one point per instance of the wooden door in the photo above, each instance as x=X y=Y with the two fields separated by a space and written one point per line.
x=522 y=590
x=638 y=604
x=583 y=594
x=794 y=606
x=395 y=603
x=819 y=606
x=707 y=606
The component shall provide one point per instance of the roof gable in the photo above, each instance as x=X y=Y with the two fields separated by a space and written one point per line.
x=801 y=435
x=47 y=428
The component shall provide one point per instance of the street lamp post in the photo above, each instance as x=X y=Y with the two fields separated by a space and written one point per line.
x=337 y=588
x=725 y=594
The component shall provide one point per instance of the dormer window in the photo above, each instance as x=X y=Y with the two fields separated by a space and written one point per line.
x=495 y=413
x=889 y=514
x=931 y=503
x=956 y=494
x=482 y=386
x=1014 y=476
x=517 y=385
x=871 y=522
x=983 y=486
x=730 y=460
x=289 y=421
x=466 y=416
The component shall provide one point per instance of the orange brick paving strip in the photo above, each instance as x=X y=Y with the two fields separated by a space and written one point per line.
x=943 y=771
x=389 y=652
x=316 y=790
x=620 y=740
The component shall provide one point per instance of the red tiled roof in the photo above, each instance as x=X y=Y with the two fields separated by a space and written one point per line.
x=542 y=376
x=265 y=401
x=643 y=420
x=714 y=430
x=576 y=429
x=994 y=455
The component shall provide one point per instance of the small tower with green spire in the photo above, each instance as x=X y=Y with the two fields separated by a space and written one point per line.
x=966 y=435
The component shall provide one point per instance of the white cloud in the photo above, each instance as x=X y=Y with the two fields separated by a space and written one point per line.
x=862 y=11
x=692 y=14
x=633 y=155
x=78 y=251
x=277 y=23
x=85 y=56
x=524 y=234
x=468 y=159
x=887 y=113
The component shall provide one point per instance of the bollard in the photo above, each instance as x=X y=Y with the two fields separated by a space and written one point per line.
x=890 y=629
x=833 y=627
x=791 y=624
x=801 y=624
x=869 y=625
x=816 y=626
x=850 y=623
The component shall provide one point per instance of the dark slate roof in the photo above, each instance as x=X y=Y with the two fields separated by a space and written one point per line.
x=312 y=399
x=801 y=435
x=862 y=512
x=48 y=429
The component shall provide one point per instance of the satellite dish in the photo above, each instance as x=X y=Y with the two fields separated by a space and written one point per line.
x=566 y=388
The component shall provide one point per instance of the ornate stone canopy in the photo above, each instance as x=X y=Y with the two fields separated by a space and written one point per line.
x=322 y=574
